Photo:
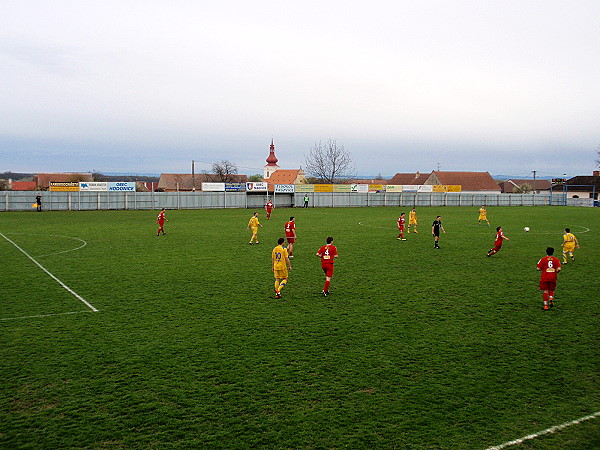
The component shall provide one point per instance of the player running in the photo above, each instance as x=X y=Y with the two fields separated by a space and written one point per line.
x=483 y=215
x=280 y=263
x=498 y=242
x=412 y=220
x=269 y=207
x=160 y=220
x=401 y=221
x=290 y=235
x=549 y=265
x=327 y=253
x=254 y=224
x=568 y=245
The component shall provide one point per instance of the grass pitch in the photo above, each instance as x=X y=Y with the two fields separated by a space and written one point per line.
x=414 y=348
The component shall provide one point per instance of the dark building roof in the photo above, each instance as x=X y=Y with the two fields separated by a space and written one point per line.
x=512 y=185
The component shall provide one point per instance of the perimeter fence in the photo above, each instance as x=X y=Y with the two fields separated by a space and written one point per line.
x=89 y=201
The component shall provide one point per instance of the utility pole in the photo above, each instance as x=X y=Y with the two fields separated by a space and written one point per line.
x=193 y=178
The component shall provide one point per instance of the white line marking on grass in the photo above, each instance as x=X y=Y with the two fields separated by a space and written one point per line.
x=547 y=431
x=75 y=294
x=44 y=315
x=56 y=235
x=581 y=226
x=372 y=226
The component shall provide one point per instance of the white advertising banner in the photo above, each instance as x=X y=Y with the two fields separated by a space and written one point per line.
x=97 y=186
x=122 y=186
x=213 y=187
x=260 y=186
x=364 y=188
x=410 y=187
x=426 y=188
x=284 y=189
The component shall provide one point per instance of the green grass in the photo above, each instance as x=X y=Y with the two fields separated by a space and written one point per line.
x=414 y=348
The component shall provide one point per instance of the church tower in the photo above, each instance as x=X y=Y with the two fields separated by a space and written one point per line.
x=271 y=165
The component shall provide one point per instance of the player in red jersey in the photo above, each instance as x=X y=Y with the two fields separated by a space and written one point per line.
x=549 y=265
x=160 y=220
x=269 y=208
x=290 y=235
x=498 y=242
x=401 y=221
x=327 y=253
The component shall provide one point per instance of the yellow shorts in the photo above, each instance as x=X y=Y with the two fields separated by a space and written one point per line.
x=283 y=273
x=412 y=222
x=254 y=230
x=569 y=247
x=482 y=218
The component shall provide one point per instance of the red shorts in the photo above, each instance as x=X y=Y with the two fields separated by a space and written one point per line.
x=290 y=239
x=547 y=285
x=161 y=223
x=269 y=210
x=401 y=228
x=328 y=270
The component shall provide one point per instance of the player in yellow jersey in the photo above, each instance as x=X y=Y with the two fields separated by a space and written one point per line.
x=254 y=224
x=280 y=262
x=568 y=245
x=412 y=220
x=483 y=215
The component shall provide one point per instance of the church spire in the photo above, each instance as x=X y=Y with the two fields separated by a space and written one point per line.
x=271 y=165
x=272 y=159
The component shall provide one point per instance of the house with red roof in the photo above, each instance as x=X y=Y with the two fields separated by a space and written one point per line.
x=469 y=181
x=417 y=178
x=172 y=182
x=23 y=186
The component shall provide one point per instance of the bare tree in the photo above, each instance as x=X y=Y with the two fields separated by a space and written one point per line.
x=225 y=170
x=598 y=160
x=329 y=162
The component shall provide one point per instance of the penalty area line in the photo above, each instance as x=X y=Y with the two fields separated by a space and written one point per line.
x=547 y=431
x=45 y=315
x=67 y=288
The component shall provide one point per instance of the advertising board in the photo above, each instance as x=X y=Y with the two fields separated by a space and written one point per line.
x=235 y=187
x=122 y=186
x=213 y=187
x=64 y=186
x=284 y=189
x=259 y=186
x=96 y=186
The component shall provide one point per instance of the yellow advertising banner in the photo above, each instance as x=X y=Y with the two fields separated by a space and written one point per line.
x=342 y=188
x=447 y=188
x=64 y=186
x=304 y=187
x=323 y=187
x=376 y=187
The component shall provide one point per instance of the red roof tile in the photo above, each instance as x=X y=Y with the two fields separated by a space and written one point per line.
x=470 y=181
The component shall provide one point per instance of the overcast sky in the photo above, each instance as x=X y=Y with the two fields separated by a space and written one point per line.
x=146 y=86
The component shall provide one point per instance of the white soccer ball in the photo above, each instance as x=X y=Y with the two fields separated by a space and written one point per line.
x=526 y=228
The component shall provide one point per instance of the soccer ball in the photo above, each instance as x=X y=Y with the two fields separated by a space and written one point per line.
x=526 y=228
